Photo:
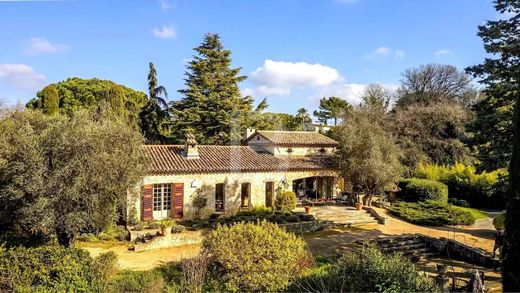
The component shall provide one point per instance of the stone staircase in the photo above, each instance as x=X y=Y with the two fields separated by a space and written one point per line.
x=347 y=217
x=409 y=245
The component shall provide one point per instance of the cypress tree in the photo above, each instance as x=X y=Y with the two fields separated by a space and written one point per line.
x=51 y=101
x=212 y=107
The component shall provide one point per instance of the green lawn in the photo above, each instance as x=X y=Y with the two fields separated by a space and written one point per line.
x=478 y=214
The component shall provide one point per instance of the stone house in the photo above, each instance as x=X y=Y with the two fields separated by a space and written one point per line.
x=237 y=177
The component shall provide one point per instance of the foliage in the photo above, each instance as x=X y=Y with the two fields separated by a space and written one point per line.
x=212 y=107
x=377 y=97
x=369 y=157
x=459 y=202
x=194 y=273
x=332 y=108
x=113 y=232
x=477 y=214
x=500 y=221
x=199 y=201
x=254 y=257
x=432 y=213
x=486 y=189
x=435 y=83
x=167 y=223
x=432 y=133
x=63 y=175
x=154 y=116
x=416 y=189
x=500 y=74
x=76 y=94
x=50 y=100
x=285 y=201
x=137 y=281
x=52 y=268
x=366 y=270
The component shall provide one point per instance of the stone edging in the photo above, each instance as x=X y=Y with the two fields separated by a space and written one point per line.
x=380 y=219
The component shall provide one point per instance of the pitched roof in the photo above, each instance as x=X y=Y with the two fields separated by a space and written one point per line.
x=296 y=138
x=169 y=159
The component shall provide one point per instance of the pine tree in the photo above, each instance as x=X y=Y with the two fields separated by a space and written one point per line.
x=501 y=75
x=154 y=116
x=332 y=108
x=51 y=100
x=212 y=107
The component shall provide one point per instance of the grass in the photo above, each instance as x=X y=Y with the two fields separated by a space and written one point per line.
x=478 y=214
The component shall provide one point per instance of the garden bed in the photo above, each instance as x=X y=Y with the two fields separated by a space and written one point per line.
x=432 y=213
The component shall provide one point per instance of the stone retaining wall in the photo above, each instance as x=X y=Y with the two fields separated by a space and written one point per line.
x=380 y=219
x=458 y=250
x=304 y=227
x=173 y=240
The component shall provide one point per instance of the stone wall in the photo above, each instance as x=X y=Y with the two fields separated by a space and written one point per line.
x=457 y=250
x=232 y=181
x=304 y=227
x=173 y=240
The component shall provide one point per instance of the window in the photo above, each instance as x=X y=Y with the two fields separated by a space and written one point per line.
x=162 y=197
x=289 y=150
x=322 y=151
x=219 y=197
x=245 y=195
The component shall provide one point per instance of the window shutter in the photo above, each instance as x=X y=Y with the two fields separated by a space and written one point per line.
x=178 y=200
x=147 y=210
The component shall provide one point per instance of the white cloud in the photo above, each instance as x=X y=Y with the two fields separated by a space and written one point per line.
x=382 y=52
x=165 y=4
x=443 y=52
x=21 y=76
x=164 y=32
x=38 y=46
x=399 y=54
x=280 y=77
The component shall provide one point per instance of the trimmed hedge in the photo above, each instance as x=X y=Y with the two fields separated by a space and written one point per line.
x=285 y=201
x=432 y=213
x=417 y=189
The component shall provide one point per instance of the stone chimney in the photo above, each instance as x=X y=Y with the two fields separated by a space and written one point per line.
x=249 y=132
x=191 y=150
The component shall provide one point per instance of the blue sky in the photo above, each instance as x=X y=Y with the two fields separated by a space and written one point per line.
x=294 y=51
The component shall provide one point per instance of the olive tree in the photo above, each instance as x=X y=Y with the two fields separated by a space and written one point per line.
x=62 y=175
x=369 y=157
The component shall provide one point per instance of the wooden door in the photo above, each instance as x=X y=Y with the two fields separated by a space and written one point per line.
x=269 y=194
x=178 y=200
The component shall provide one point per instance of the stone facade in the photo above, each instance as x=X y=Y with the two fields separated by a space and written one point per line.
x=206 y=182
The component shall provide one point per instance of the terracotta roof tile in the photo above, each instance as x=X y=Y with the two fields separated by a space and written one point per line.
x=297 y=138
x=168 y=159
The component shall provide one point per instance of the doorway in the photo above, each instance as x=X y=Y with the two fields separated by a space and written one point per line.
x=245 y=195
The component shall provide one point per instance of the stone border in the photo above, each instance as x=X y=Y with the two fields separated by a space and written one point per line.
x=308 y=226
x=458 y=250
x=380 y=219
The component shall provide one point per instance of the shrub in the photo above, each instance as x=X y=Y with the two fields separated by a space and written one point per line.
x=432 y=213
x=114 y=233
x=154 y=225
x=459 y=202
x=167 y=223
x=137 y=281
x=254 y=257
x=486 y=189
x=139 y=226
x=499 y=221
x=48 y=268
x=178 y=229
x=199 y=201
x=416 y=189
x=285 y=201
x=293 y=219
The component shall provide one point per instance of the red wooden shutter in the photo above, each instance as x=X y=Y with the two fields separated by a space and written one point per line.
x=147 y=206
x=178 y=200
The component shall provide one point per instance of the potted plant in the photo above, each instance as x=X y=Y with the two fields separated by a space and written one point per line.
x=359 y=205
x=308 y=209
x=359 y=201
x=166 y=227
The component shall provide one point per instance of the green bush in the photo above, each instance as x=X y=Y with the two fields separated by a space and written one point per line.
x=285 y=201
x=432 y=213
x=486 y=189
x=137 y=281
x=416 y=189
x=49 y=269
x=499 y=221
x=114 y=233
x=459 y=202
x=178 y=229
x=254 y=257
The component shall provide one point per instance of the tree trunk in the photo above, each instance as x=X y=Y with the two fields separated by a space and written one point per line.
x=511 y=257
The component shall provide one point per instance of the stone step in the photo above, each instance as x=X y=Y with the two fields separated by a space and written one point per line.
x=400 y=243
x=411 y=246
x=396 y=239
x=360 y=223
